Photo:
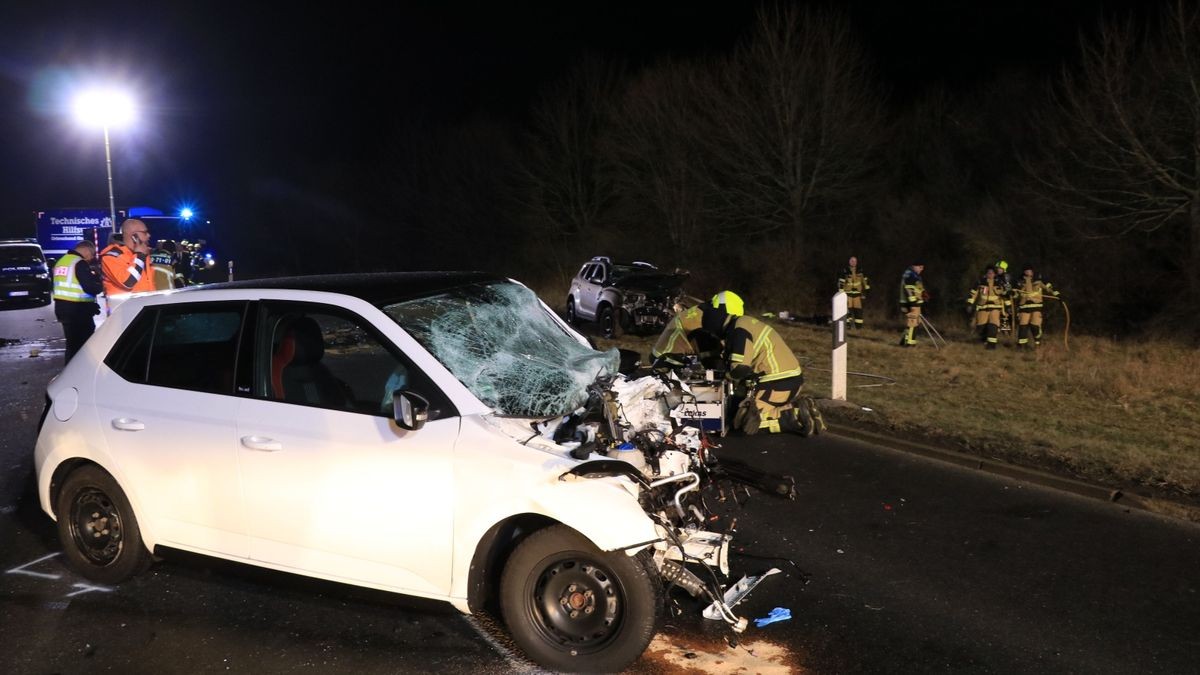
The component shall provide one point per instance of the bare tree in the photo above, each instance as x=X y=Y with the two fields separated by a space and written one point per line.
x=566 y=187
x=791 y=125
x=656 y=156
x=1123 y=152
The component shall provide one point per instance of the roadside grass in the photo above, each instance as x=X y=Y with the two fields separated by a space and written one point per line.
x=1122 y=414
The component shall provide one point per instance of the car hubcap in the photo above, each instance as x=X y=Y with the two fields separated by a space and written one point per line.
x=96 y=526
x=578 y=605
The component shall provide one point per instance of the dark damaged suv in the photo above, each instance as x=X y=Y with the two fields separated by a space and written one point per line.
x=24 y=275
x=633 y=297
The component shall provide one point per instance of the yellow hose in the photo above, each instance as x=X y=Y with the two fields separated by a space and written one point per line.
x=1067 y=328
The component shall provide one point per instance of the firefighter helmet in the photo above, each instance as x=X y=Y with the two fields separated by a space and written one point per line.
x=732 y=301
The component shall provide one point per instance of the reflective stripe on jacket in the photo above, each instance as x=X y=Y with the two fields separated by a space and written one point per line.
x=853 y=282
x=752 y=344
x=66 y=284
x=1029 y=293
x=912 y=289
x=125 y=271
x=674 y=340
x=985 y=297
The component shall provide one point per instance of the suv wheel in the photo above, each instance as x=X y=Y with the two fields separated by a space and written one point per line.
x=572 y=607
x=97 y=528
x=610 y=321
x=572 y=318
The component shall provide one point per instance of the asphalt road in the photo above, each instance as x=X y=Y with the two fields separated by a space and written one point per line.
x=913 y=566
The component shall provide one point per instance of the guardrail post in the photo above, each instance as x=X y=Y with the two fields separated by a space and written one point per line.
x=840 y=315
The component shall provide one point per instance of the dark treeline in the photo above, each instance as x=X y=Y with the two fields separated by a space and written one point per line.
x=763 y=169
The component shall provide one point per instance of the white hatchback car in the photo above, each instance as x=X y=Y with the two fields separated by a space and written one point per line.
x=418 y=433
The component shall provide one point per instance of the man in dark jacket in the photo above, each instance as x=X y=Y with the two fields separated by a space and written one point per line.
x=76 y=286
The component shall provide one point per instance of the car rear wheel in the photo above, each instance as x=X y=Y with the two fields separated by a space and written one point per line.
x=97 y=528
x=572 y=318
x=610 y=321
x=571 y=607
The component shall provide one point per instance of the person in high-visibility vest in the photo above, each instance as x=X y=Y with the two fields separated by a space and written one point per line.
x=912 y=298
x=760 y=362
x=125 y=264
x=163 y=261
x=684 y=337
x=76 y=286
x=987 y=298
x=854 y=284
x=1028 y=293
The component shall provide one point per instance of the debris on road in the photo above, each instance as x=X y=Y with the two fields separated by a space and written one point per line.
x=777 y=614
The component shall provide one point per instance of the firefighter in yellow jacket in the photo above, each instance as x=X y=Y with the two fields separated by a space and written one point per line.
x=912 y=297
x=987 y=298
x=684 y=337
x=759 y=361
x=854 y=284
x=1028 y=293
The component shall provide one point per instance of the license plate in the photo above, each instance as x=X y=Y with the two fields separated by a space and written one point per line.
x=17 y=294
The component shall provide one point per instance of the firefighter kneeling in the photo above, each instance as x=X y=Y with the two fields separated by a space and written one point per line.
x=760 y=362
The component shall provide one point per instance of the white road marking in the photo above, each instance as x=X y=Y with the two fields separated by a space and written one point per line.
x=88 y=588
x=40 y=575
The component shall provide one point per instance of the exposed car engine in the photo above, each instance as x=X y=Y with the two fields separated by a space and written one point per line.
x=636 y=424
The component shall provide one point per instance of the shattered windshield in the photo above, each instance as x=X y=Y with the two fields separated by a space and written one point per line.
x=503 y=345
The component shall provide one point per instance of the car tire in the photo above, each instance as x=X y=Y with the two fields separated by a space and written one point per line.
x=610 y=321
x=572 y=318
x=572 y=607
x=97 y=528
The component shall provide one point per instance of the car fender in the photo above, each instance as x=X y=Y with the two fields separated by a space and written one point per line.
x=612 y=295
x=602 y=510
x=61 y=443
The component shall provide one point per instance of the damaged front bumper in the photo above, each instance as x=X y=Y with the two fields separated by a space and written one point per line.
x=683 y=542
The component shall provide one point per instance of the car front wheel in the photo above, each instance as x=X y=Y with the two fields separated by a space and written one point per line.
x=97 y=528
x=610 y=321
x=572 y=607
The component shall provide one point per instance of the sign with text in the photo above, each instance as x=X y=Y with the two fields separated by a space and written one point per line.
x=60 y=229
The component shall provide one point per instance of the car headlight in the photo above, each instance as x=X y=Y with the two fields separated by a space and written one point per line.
x=41 y=276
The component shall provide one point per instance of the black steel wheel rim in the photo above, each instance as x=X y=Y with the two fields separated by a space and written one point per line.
x=577 y=605
x=609 y=322
x=96 y=526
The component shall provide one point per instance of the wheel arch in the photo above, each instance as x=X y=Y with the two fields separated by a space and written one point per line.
x=66 y=468
x=71 y=464
x=492 y=552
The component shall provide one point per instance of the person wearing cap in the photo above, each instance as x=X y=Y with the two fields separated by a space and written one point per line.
x=854 y=284
x=683 y=339
x=76 y=286
x=987 y=299
x=912 y=298
x=1029 y=292
x=760 y=362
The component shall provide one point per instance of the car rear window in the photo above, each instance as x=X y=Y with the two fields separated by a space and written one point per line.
x=21 y=256
x=191 y=347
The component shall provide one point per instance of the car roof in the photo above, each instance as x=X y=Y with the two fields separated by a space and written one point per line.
x=377 y=288
x=19 y=242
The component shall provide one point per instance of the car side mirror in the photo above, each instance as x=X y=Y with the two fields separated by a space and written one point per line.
x=410 y=410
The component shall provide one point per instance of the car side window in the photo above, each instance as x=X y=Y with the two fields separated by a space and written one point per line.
x=323 y=356
x=597 y=275
x=189 y=346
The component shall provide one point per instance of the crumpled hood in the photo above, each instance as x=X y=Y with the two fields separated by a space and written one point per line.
x=656 y=283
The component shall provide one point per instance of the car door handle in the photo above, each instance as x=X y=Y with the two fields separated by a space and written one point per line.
x=128 y=424
x=262 y=443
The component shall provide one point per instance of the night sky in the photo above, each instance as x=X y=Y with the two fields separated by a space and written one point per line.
x=238 y=96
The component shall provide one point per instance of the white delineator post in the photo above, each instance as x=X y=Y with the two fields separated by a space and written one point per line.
x=838 y=384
